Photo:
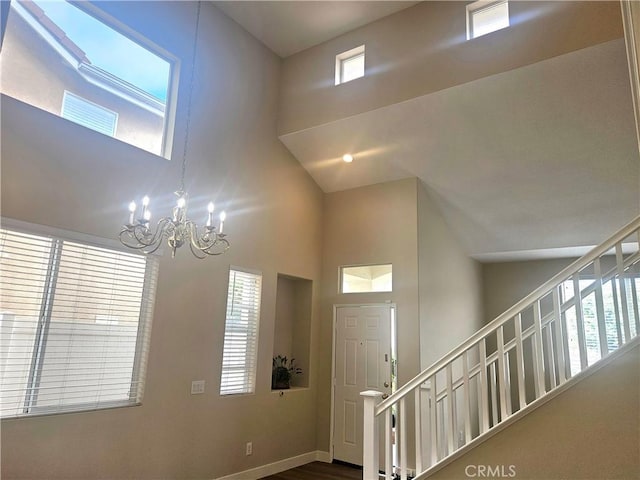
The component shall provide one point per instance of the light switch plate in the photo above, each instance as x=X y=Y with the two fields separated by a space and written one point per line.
x=197 y=387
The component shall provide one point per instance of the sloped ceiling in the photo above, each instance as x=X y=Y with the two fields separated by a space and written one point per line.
x=541 y=161
x=541 y=157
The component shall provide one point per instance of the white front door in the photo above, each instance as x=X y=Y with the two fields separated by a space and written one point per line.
x=362 y=359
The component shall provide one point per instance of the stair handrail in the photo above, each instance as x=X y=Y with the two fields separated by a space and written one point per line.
x=501 y=319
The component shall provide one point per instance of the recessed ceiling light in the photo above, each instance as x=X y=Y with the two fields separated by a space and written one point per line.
x=347 y=158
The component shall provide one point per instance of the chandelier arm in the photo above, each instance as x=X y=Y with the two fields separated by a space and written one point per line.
x=206 y=246
x=221 y=243
x=196 y=241
x=125 y=239
x=156 y=237
x=155 y=248
x=196 y=252
x=138 y=233
x=132 y=238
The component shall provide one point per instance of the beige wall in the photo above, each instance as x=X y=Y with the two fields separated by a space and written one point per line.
x=293 y=324
x=432 y=54
x=33 y=72
x=374 y=224
x=590 y=431
x=450 y=285
x=72 y=178
x=436 y=287
x=505 y=284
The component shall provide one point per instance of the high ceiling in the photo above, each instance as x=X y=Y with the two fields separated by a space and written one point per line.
x=540 y=161
x=540 y=157
x=288 y=27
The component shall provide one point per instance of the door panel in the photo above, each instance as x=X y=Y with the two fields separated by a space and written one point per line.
x=362 y=362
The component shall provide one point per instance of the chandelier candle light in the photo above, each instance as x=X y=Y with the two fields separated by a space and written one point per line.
x=177 y=229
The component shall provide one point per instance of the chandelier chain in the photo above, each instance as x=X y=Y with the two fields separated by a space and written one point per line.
x=189 y=98
x=177 y=229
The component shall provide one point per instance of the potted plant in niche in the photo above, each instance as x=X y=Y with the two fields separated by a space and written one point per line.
x=282 y=371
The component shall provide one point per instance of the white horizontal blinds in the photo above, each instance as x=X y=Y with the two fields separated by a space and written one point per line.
x=89 y=114
x=83 y=343
x=24 y=266
x=239 y=356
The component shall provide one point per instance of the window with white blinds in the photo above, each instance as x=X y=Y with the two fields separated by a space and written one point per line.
x=239 y=356
x=89 y=114
x=75 y=321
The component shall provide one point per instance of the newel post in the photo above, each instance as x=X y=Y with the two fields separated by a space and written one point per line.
x=370 y=449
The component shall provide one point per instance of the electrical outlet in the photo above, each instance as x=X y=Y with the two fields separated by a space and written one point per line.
x=197 y=387
x=249 y=448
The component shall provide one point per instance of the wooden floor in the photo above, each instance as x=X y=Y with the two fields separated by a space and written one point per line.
x=319 y=471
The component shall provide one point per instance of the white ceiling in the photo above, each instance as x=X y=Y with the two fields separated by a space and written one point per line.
x=541 y=157
x=536 y=162
x=288 y=27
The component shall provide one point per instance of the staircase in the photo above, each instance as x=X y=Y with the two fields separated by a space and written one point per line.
x=579 y=320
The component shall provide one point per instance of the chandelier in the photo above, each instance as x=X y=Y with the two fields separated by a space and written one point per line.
x=176 y=229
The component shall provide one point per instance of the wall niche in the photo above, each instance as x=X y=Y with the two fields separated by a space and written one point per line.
x=293 y=324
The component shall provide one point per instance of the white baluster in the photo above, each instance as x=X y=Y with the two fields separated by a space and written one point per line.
x=617 y=312
x=484 y=386
x=388 y=436
x=466 y=385
x=538 y=352
x=550 y=357
x=623 y=292
x=634 y=295
x=520 y=362
x=507 y=368
x=502 y=375
x=602 y=326
x=433 y=420
x=418 y=426
x=577 y=299
x=494 y=394
x=559 y=336
x=403 y=439
x=451 y=432
x=370 y=445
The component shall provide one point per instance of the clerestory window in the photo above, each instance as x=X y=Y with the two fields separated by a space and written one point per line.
x=486 y=16
x=350 y=65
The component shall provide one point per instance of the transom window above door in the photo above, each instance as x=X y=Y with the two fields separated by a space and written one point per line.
x=366 y=278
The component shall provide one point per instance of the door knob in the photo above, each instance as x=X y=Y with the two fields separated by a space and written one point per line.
x=386 y=384
x=385 y=396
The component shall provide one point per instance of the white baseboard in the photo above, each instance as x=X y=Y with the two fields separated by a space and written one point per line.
x=279 y=466
x=323 y=457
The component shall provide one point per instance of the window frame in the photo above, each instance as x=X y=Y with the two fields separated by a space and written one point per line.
x=57 y=238
x=341 y=278
x=572 y=355
x=171 y=104
x=343 y=57
x=250 y=374
x=480 y=5
x=175 y=69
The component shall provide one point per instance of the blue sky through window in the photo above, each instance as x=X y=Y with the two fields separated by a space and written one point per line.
x=109 y=49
